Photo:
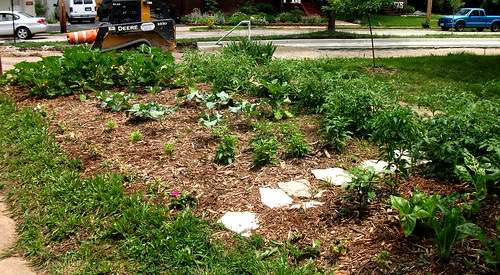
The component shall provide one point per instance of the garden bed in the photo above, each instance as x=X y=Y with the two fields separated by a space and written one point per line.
x=349 y=240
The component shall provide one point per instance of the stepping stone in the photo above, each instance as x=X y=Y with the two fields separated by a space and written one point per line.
x=335 y=176
x=240 y=222
x=299 y=188
x=406 y=156
x=274 y=198
x=378 y=166
x=306 y=205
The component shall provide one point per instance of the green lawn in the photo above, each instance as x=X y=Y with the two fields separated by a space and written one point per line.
x=400 y=21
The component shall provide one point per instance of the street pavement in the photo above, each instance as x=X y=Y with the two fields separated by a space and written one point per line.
x=381 y=43
x=415 y=38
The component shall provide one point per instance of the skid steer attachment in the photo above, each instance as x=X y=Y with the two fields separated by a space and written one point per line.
x=157 y=33
x=127 y=24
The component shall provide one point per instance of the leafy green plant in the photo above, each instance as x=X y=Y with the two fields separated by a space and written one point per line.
x=82 y=69
x=382 y=260
x=135 y=136
x=397 y=130
x=168 y=149
x=245 y=107
x=474 y=173
x=277 y=96
x=150 y=110
x=264 y=151
x=335 y=132
x=110 y=125
x=434 y=212
x=294 y=142
x=360 y=190
x=226 y=150
x=115 y=102
x=419 y=208
x=261 y=53
x=210 y=120
x=491 y=246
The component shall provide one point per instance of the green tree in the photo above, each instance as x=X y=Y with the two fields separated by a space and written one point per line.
x=354 y=8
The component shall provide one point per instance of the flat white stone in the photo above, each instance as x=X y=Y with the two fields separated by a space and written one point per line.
x=406 y=157
x=306 y=205
x=274 y=198
x=335 y=176
x=378 y=166
x=240 y=222
x=311 y=204
x=299 y=188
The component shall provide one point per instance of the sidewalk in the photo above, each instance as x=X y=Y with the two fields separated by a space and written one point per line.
x=11 y=265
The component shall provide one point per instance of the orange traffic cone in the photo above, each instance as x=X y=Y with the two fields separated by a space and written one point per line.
x=87 y=36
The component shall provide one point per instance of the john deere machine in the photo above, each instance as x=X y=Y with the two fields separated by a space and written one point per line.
x=129 y=23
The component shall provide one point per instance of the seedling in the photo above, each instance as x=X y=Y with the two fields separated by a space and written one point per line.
x=110 y=125
x=135 y=136
x=168 y=149
x=382 y=260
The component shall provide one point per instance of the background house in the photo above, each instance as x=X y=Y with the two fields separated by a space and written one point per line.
x=27 y=6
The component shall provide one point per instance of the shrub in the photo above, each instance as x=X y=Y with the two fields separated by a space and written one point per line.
x=294 y=141
x=360 y=190
x=264 y=151
x=335 y=132
x=293 y=16
x=261 y=53
x=226 y=150
x=135 y=136
x=356 y=102
x=397 y=130
x=448 y=135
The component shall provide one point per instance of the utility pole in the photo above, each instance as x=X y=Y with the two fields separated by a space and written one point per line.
x=429 y=11
x=62 y=16
x=13 y=23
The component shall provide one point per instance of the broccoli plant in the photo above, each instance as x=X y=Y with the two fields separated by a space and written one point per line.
x=115 y=102
x=150 y=110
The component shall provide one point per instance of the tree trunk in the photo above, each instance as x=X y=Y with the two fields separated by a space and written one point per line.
x=331 y=21
x=371 y=37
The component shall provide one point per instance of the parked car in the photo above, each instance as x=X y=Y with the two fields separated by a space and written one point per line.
x=25 y=25
x=470 y=18
x=79 y=10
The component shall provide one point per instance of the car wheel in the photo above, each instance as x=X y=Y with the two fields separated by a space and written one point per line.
x=479 y=29
x=23 y=33
x=460 y=26
x=445 y=29
x=495 y=27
